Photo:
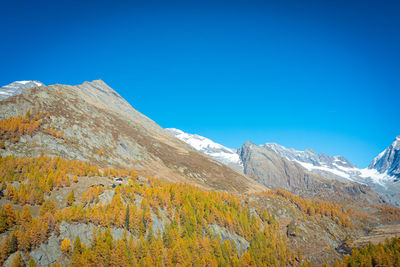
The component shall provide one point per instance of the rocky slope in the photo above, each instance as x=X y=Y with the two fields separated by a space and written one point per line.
x=99 y=126
x=15 y=88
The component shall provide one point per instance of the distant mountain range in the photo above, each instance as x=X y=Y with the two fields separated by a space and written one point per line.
x=382 y=174
x=17 y=87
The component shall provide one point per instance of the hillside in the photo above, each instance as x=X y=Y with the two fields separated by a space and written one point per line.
x=95 y=124
x=59 y=211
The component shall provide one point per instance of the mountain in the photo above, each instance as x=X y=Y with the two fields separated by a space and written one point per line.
x=269 y=168
x=332 y=166
x=381 y=175
x=88 y=180
x=277 y=167
x=15 y=88
x=388 y=162
x=94 y=123
x=223 y=154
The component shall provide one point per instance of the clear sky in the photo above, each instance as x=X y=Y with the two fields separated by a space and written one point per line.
x=319 y=74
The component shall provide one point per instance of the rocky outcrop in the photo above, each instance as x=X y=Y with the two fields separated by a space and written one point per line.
x=241 y=244
x=47 y=253
x=50 y=252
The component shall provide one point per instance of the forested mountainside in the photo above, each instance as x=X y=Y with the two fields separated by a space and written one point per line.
x=58 y=211
x=71 y=196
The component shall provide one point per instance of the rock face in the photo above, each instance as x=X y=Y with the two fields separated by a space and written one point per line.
x=16 y=88
x=223 y=154
x=267 y=167
x=241 y=244
x=50 y=252
x=389 y=160
x=309 y=156
x=93 y=117
x=331 y=166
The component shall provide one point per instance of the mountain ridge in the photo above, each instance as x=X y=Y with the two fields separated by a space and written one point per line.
x=92 y=117
x=268 y=167
x=336 y=167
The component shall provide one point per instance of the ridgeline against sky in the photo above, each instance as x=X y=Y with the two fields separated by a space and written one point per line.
x=309 y=74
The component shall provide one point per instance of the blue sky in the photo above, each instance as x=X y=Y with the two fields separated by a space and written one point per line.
x=319 y=74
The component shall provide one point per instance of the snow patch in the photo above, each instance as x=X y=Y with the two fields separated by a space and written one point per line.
x=207 y=146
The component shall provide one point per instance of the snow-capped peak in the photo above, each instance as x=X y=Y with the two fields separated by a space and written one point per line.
x=309 y=156
x=221 y=153
x=15 y=88
x=388 y=161
x=33 y=82
x=333 y=166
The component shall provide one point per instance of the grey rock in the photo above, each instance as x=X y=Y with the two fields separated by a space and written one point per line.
x=240 y=242
x=266 y=166
x=7 y=263
x=159 y=223
x=50 y=252
x=107 y=196
x=47 y=253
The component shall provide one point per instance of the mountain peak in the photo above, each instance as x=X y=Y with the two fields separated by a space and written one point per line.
x=388 y=161
x=248 y=143
x=310 y=150
x=98 y=82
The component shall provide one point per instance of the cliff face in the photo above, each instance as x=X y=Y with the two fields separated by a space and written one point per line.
x=267 y=167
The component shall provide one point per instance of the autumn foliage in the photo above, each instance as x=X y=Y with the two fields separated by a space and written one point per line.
x=28 y=180
x=317 y=207
x=189 y=214
x=386 y=254
x=14 y=127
